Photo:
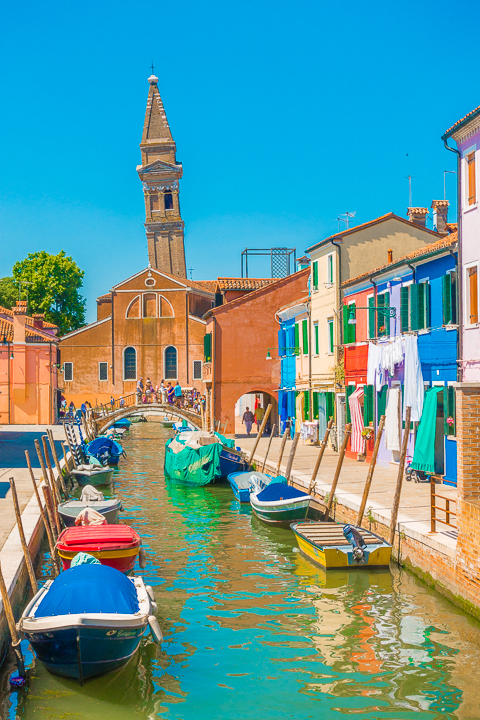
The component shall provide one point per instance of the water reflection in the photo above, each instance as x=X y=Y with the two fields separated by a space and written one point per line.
x=253 y=630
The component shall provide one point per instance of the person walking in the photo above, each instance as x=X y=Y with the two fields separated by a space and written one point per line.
x=163 y=391
x=122 y=402
x=83 y=408
x=139 y=390
x=178 y=395
x=170 y=393
x=259 y=413
x=149 y=389
x=247 y=420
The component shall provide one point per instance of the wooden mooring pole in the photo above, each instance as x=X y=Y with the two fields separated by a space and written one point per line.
x=26 y=551
x=320 y=456
x=291 y=457
x=50 y=510
x=53 y=449
x=401 y=468
x=268 y=446
x=11 y=626
x=45 y=519
x=371 y=469
x=285 y=437
x=348 y=430
x=260 y=433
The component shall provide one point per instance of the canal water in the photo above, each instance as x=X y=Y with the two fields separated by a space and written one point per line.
x=253 y=631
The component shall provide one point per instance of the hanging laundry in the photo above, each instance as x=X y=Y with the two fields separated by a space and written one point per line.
x=375 y=374
x=414 y=390
x=322 y=414
x=392 y=420
x=424 y=453
x=357 y=441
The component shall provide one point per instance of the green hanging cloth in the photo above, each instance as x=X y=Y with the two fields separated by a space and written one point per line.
x=424 y=453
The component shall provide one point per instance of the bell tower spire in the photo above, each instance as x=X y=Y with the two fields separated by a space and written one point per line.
x=160 y=173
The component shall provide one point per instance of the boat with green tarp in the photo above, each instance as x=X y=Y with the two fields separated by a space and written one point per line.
x=199 y=458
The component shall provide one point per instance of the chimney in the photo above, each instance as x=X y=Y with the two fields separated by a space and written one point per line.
x=19 y=320
x=390 y=256
x=417 y=215
x=38 y=319
x=440 y=216
x=303 y=262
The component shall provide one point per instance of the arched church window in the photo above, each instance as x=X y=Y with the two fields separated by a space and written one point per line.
x=170 y=363
x=129 y=364
x=133 y=310
x=168 y=201
x=165 y=308
x=150 y=305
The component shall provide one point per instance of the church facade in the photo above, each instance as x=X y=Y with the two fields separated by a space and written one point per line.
x=151 y=324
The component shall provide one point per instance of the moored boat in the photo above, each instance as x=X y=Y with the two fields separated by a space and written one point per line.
x=92 y=475
x=199 y=457
x=333 y=545
x=138 y=418
x=89 y=621
x=105 y=449
x=115 y=545
x=91 y=498
x=122 y=423
x=280 y=504
x=241 y=483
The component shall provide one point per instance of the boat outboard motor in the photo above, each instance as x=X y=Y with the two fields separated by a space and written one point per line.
x=356 y=541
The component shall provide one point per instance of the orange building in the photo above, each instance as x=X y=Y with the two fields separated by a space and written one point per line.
x=239 y=334
x=28 y=368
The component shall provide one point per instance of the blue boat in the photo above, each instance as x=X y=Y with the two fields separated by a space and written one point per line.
x=231 y=460
x=279 y=504
x=89 y=621
x=105 y=449
x=122 y=423
x=241 y=483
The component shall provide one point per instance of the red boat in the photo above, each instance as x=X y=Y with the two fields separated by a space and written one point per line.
x=114 y=545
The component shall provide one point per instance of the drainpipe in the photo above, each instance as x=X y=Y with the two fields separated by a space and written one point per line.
x=113 y=341
x=212 y=409
x=310 y=401
x=459 y=264
x=339 y=276
x=414 y=271
x=8 y=386
x=455 y=260
x=372 y=282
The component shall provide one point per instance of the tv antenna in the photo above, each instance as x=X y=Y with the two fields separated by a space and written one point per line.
x=190 y=270
x=345 y=218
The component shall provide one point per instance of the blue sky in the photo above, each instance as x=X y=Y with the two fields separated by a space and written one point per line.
x=285 y=115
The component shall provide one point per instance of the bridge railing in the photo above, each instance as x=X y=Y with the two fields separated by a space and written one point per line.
x=107 y=408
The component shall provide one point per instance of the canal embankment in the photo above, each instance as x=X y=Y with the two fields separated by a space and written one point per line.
x=14 y=440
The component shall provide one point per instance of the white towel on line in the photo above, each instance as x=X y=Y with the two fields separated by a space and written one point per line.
x=392 y=420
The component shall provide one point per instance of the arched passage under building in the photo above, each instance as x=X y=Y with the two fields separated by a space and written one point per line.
x=257 y=402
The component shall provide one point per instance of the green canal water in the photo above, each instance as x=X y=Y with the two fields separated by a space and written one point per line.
x=253 y=631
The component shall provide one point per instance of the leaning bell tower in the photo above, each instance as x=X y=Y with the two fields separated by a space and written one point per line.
x=160 y=174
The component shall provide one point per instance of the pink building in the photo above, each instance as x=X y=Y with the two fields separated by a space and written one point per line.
x=28 y=368
x=466 y=134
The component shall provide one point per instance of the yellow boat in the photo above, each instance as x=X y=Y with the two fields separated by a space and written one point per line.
x=326 y=544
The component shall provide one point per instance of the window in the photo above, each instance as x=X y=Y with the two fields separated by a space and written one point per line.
x=330 y=336
x=133 y=310
x=154 y=203
x=168 y=201
x=197 y=369
x=305 y=336
x=371 y=316
x=170 y=363
x=449 y=299
x=103 y=371
x=68 y=371
x=472 y=295
x=316 y=339
x=349 y=329
x=129 y=364
x=449 y=411
x=368 y=404
x=405 y=308
x=471 y=185
x=420 y=306
x=207 y=348
x=315 y=275
x=330 y=268
x=348 y=391
x=149 y=305
x=383 y=316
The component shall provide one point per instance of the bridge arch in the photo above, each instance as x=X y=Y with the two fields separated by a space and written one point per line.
x=103 y=422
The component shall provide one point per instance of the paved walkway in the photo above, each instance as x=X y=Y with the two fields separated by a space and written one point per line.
x=14 y=440
x=414 y=511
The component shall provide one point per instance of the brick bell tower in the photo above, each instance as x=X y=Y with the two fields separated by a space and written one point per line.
x=160 y=173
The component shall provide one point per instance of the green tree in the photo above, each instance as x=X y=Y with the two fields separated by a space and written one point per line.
x=8 y=292
x=55 y=282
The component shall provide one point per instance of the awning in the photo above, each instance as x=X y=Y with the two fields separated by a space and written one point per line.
x=292 y=312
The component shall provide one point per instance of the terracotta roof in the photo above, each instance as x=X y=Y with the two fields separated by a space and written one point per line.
x=462 y=121
x=184 y=281
x=106 y=297
x=445 y=242
x=208 y=285
x=37 y=335
x=29 y=320
x=230 y=283
x=382 y=218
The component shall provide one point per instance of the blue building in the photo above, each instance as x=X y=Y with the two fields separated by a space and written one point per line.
x=416 y=294
x=288 y=351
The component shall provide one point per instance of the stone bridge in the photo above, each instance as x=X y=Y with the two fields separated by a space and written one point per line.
x=107 y=419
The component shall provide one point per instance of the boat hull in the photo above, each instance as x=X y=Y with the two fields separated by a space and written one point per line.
x=123 y=560
x=102 y=477
x=69 y=515
x=341 y=557
x=281 y=515
x=231 y=462
x=242 y=494
x=83 y=652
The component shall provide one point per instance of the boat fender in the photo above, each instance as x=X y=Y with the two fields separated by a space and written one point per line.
x=153 y=606
x=142 y=558
x=155 y=629
x=150 y=592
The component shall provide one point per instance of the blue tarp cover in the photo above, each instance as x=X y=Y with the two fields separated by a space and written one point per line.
x=277 y=491
x=103 y=444
x=89 y=589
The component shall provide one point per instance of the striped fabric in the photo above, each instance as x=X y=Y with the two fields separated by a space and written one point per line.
x=357 y=441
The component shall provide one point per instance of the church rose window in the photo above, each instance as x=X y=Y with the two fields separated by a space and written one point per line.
x=130 y=364
x=170 y=363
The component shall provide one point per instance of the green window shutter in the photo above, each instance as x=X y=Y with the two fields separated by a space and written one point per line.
x=330 y=336
x=348 y=391
x=447 y=299
x=380 y=303
x=305 y=336
x=381 y=402
x=453 y=295
x=306 y=405
x=330 y=268
x=386 y=315
x=421 y=306
x=315 y=406
x=317 y=345
x=414 y=307
x=367 y=404
x=371 y=317
x=383 y=319
x=426 y=305
x=330 y=404
x=315 y=275
x=345 y=325
x=207 y=347
x=352 y=328
x=404 y=316
x=297 y=339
